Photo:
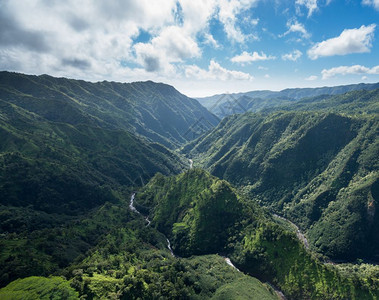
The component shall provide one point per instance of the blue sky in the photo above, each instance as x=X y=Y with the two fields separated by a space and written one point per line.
x=202 y=47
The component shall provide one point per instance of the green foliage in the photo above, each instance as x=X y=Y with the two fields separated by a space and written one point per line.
x=276 y=255
x=47 y=250
x=153 y=110
x=267 y=250
x=197 y=211
x=33 y=288
x=359 y=102
x=355 y=98
x=244 y=289
x=318 y=169
x=70 y=158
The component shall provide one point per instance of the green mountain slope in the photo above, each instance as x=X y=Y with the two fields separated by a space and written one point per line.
x=196 y=211
x=154 y=110
x=355 y=102
x=318 y=169
x=203 y=214
x=43 y=160
x=119 y=258
x=55 y=175
x=256 y=101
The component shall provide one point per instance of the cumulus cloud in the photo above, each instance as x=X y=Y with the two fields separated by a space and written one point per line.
x=294 y=55
x=97 y=40
x=228 y=14
x=13 y=34
x=209 y=39
x=373 y=3
x=215 y=72
x=293 y=27
x=312 y=78
x=174 y=44
x=345 y=70
x=311 y=5
x=77 y=63
x=42 y=35
x=246 y=57
x=357 y=40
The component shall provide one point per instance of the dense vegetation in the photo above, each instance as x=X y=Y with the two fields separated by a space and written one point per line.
x=196 y=211
x=73 y=152
x=260 y=245
x=298 y=98
x=124 y=259
x=318 y=169
x=353 y=103
x=54 y=174
x=57 y=169
x=154 y=110
x=39 y=288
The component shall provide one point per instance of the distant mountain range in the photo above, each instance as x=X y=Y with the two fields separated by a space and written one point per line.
x=255 y=101
x=153 y=110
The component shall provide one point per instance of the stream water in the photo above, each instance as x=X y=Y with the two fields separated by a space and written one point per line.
x=134 y=209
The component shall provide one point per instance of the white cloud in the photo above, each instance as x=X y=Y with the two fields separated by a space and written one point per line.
x=312 y=78
x=357 y=40
x=267 y=76
x=373 y=3
x=345 y=70
x=364 y=77
x=246 y=57
x=228 y=12
x=311 y=5
x=209 y=39
x=254 y=22
x=174 y=44
x=294 y=55
x=262 y=68
x=295 y=26
x=215 y=72
x=85 y=39
x=196 y=13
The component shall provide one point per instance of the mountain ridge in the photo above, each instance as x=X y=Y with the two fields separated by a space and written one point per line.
x=153 y=110
x=256 y=101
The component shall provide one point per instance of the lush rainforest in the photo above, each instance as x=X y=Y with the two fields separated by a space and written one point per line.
x=135 y=191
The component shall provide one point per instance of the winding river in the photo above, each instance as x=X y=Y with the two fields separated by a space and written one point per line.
x=134 y=209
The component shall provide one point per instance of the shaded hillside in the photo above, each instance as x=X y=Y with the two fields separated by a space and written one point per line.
x=319 y=169
x=255 y=101
x=154 y=110
x=54 y=176
x=203 y=214
x=355 y=102
x=74 y=166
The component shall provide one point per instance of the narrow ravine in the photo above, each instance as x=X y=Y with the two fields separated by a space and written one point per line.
x=227 y=259
x=169 y=247
x=300 y=236
x=134 y=209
